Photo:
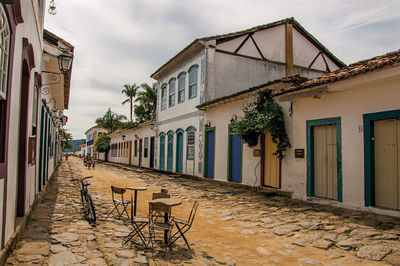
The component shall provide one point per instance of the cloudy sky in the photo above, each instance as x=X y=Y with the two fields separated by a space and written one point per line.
x=125 y=41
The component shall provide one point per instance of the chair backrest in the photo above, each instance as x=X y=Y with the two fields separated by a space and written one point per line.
x=118 y=190
x=160 y=195
x=157 y=211
x=193 y=213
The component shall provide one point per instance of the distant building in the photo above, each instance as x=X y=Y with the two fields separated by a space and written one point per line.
x=91 y=135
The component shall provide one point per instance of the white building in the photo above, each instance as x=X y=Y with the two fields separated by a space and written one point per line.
x=133 y=146
x=219 y=66
x=347 y=125
x=91 y=135
x=31 y=111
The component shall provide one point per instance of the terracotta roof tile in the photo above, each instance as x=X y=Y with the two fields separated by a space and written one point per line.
x=350 y=71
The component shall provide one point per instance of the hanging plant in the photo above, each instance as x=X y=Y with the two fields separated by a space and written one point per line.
x=263 y=115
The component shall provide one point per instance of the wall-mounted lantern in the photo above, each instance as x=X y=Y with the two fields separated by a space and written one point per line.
x=123 y=137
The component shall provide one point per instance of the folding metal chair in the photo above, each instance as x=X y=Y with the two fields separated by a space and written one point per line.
x=183 y=226
x=160 y=222
x=119 y=202
x=138 y=224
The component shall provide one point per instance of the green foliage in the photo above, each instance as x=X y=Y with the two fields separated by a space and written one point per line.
x=110 y=121
x=102 y=143
x=65 y=141
x=130 y=92
x=263 y=115
x=129 y=124
x=147 y=98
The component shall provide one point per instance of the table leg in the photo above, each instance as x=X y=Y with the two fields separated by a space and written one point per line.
x=166 y=231
x=134 y=208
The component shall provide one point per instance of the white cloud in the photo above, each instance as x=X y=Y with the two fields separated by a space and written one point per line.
x=125 y=41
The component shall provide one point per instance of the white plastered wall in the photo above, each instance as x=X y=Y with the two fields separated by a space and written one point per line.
x=190 y=167
x=31 y=29
x=304 y=53
x=350 y=99
x=220 y=117
x=189 y=105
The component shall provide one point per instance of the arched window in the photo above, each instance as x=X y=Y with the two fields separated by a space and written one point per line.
x=190 y=144
x=181 y=87
x=163 y=96
x=171 y=101
x=193 y=76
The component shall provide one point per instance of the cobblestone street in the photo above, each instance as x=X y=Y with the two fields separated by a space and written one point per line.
x=232 y=227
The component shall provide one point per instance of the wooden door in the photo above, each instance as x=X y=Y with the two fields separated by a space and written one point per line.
x=209 y=165
x=140 y=151
x=387 y=163
x=162 y=153
x=179 y=152
x=152 y=152
x=325 y=162
x=130 y=152
x=271 y=164
x=235 y=158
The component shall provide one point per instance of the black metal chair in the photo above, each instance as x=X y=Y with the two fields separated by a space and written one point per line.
x=119 y=202
x=138 y=224
x=183 y=226
x=160 y=225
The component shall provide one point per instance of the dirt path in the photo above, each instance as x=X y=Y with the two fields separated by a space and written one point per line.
x=232 y=226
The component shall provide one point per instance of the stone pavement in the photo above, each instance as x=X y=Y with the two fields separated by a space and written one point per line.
x=233 y=227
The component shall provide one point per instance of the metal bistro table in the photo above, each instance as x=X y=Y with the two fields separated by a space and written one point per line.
x=136 y=189
x=170 y=203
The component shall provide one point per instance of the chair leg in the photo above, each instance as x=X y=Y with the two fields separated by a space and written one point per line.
x=115 y=208
x=183 y=235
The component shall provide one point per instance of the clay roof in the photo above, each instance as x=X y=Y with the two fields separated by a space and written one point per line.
x=292 y=80
x=198 y=43
x=350 y=71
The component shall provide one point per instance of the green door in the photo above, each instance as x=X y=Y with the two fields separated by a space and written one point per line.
x=162 y=152
x=179 y=152
x=170 y=152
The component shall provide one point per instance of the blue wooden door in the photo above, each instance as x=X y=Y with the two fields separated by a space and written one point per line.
x=152 y=152
x=162 y=152
x=210 y=138
x=179 y=152
x=236 y=159
x=170 y=152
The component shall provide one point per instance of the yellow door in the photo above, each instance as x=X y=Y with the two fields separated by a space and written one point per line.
x=271 y=164
x=387 y=156
x=325 y=161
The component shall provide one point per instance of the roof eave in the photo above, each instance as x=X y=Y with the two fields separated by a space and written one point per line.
x=189 y=51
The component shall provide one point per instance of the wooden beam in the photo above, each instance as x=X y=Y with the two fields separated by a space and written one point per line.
x=315 y=58
x=258 y=49
x=244 y=41
x=289 y=49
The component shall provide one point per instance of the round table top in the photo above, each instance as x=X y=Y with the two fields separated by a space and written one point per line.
x=167 y=201
x=137 y=188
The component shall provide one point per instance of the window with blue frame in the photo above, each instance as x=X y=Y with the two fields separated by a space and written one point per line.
x=193 y=76
x=171 y=84
x=163 y=96
x=181 y=87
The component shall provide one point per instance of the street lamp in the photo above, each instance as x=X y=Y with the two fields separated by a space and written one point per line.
x=65 y=61
x=52 y=8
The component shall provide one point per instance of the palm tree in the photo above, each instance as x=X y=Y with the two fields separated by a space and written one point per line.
x=148 y=99
x=130 y=92
x=110 y=121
